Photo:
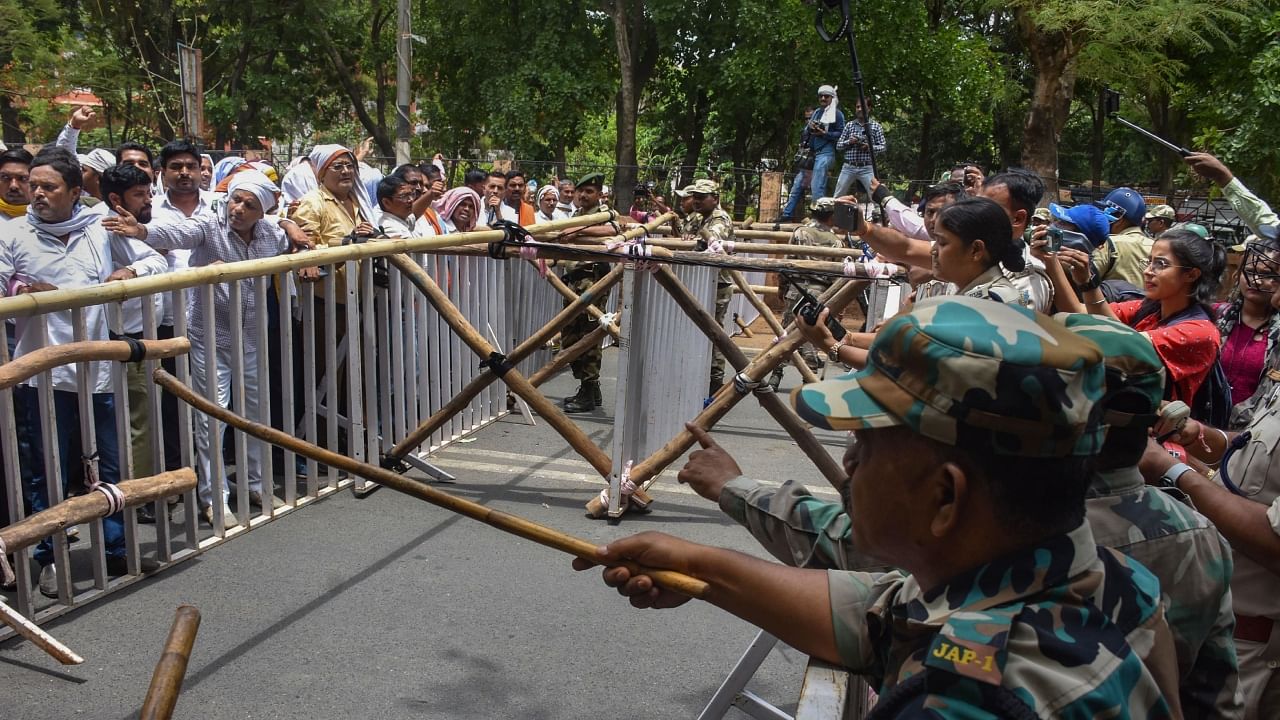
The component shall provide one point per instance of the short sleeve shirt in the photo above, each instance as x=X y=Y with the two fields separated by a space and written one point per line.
x=1188 y=349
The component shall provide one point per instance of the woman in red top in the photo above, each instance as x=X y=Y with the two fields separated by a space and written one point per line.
x=1180 y=281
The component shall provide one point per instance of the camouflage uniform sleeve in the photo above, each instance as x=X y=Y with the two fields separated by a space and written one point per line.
x=793 y=525
x=715 y=228
x=1211 y=686
x=855 y=597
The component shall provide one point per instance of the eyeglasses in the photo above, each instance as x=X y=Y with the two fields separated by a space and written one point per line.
x=405 y=197
x=342 y=167
x=1160 y=265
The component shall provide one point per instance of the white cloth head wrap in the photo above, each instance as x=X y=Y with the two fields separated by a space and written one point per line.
x=256 y=182
x=97 y=159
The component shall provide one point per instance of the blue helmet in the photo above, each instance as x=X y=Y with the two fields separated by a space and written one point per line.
x=1124 y=202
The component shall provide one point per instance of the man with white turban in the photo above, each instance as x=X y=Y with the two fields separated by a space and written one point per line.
x=92 y=166
x=240 y=229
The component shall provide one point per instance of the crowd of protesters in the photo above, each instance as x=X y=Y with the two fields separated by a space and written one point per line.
x=1061 y=496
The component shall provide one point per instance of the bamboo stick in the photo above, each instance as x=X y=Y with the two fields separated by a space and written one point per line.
x=521 y=351
x=595 y=312
x=38 y=637
x=83 y=508
x=760 y=290
x=513 y=378
x=836 y=298
x=664 y=256
x=739 y=247
x=566 y=356
x=37 y=361
x=37 y=303
x=166 y=681
x=746 y=331
x=506 y=522
x=726 y=399
x=743 y=287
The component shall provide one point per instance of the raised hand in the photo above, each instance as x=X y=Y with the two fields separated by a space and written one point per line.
x=708 y=469
x=124 y=223
x=82 y=118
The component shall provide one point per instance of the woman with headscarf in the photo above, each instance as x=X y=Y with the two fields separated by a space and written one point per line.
x=548 y=205
x=239 y=229
x=461 y=208
x=224 y=167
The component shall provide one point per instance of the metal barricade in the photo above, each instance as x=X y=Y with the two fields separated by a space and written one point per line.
x=347 y=365
x=657 y=390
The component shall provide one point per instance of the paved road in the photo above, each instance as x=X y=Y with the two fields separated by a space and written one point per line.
x=386 y=607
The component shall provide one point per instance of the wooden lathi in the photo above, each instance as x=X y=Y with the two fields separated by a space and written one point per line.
x=37 y=361
x=506 y=522
x=74 y=511
x=166 y=681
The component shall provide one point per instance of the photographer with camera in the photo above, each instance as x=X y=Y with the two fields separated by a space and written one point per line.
x=819 y=137
x=858 y=152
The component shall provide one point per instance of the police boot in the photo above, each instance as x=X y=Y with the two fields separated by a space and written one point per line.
x=584 y=399
x=775 y=379
x=597 y=398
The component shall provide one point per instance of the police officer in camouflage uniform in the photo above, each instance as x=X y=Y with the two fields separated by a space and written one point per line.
x=1178 y=545
x=579 y=276
x=974 y=423
x=714 y=231
x=818 y=232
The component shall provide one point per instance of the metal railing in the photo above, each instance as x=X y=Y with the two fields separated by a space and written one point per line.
x=349 y=366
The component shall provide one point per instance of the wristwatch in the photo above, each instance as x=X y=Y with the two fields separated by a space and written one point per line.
x=1173 y=474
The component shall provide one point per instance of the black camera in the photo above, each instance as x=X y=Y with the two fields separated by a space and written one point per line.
x=808 y=308
x=847 y=217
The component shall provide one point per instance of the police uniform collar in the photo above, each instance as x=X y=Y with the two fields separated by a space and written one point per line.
x=1047 y=564
x=1115 y=482
x=990 y=275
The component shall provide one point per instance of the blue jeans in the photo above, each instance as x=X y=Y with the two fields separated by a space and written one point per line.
x=798 y=187
x=822 y=162
x=848 y=175
x=67 y=427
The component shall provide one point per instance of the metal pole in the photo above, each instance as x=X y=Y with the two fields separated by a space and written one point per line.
x=404 y=61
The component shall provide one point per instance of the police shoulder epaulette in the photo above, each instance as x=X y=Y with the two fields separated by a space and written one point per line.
x=972 y=643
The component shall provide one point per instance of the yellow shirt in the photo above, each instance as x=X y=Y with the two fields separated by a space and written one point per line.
x=326 y=221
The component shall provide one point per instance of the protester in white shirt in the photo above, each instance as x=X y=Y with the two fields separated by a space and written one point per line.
x=241 y=230
x=495 y=191
x=60 y=245
x=395 y=199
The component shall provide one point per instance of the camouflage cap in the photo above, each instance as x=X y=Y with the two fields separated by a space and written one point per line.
x=1132 y=366
x=974 y=373
x=823 y=204
x=1161 y=211
x=1042 y=214
x=705 y=187
x=685 y=191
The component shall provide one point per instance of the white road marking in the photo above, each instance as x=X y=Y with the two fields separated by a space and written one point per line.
x=666 y=484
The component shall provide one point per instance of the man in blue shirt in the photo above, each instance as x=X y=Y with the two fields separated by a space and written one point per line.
x=820 y=134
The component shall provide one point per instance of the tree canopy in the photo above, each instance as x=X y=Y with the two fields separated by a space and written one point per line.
x=698 y=87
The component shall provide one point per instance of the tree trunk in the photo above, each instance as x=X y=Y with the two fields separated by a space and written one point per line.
x=1166 y=121
x=1053 y=54
x=346 y=78
x=635 y=37
x=9 y=120
x=695 y=136
x=1096 y=146
x=924 y=158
